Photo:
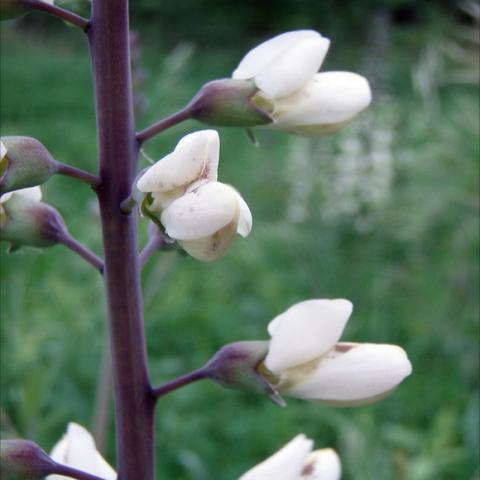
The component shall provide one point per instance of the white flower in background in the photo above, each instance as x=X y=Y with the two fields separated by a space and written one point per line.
x=295 y=461
x=77 y=450
x=299 y=99
x=203 y=215
x=308 y=363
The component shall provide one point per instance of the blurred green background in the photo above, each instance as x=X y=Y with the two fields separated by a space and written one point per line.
x=384 y=213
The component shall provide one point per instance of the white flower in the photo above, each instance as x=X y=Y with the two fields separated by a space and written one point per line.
x=3 y=150
x=77 y=450
x=32 y=193
x=202 y=214
x=309 y=363
x=299 y=99
x=295 y=462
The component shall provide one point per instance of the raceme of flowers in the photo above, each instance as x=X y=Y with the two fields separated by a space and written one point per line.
x=296 y=461
x=77 y=449
x=307 y=361
x=299 y=99
x=202 y=214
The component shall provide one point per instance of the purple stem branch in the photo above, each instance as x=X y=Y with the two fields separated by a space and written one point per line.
x=81 y=250
x=79 y=174
x=74 y=473
x=163 y=124
x=118 y=150
x=58 y=12
x=154 y=243
x=179 y=382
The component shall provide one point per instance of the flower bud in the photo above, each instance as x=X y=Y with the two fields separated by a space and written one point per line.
x=25 y=220
x=236 y=366
x=24 y=162
x=228 y=102
x=24 y=460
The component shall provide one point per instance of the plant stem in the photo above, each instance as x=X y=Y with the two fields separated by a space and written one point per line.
x=74 y=473
x=79 y=174
x=81 y=250
x=168 y=387
x=163 y=124
x=58 y=12
x=118 y=150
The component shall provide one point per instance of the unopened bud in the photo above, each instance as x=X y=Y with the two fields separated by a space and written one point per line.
x=24 y=162
x=24 y=460
x=25 y=221
x=228 y=102
x=237 y=365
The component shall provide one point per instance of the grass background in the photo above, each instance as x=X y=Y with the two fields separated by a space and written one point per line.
x=384 y=213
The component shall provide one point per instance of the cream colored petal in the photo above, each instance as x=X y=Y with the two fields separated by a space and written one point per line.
x=196 y=156
x=323 y=464
x=329 y=99
x=32 y=193
x=305 y=331
x=286 y=464
x=3 y=150
x=350 y=374
x=201 y=212
x=245 y=220
x=211 y=248
x=292 y=70
x=103 y=469
x=257 y=58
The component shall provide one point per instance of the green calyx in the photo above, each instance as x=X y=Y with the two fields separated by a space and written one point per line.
x=240 y=366
x=228 y=102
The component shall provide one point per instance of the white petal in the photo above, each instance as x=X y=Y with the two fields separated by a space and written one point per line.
x=329 y=99
x=245 y=220
x=323 y=464
x=32 y=193
x=257 y=58
x=286 y=464
x=306 y=331
x=350 y=374
x=201 y=212
x=292 y=70
x=196 y=156
x=77 y=449
x=3 y=150
x=212 y=247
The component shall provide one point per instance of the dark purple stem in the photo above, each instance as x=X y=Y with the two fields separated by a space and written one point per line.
x=58 y=12
x=74 y=473
x=79 y=174
x=81 y=250
x=118 y=150
x=179 y=382
x=163 y=124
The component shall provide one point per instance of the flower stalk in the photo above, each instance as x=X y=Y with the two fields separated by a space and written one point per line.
x=134 y=404
x=65 y=15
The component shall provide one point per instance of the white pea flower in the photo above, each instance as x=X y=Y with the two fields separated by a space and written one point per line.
x=295 y=461
x=299 y=99
x=307 y=362
x=77 y=450
x=202 y=214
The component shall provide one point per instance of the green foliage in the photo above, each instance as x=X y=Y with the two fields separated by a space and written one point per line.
x=384 y=213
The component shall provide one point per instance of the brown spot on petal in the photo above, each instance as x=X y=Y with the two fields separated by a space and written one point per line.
x=343 y=347
x=308 y=469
